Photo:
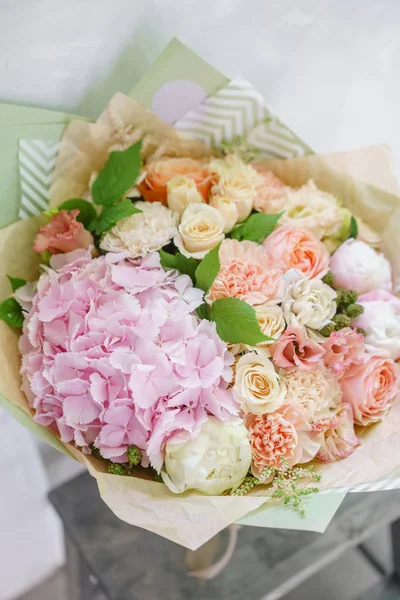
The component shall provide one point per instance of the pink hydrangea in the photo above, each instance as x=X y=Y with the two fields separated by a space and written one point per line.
x=113 y=355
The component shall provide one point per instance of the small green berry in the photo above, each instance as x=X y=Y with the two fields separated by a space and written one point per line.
x=95 y=452
x=362 y=331
x=341 y=321
x=134 y=456
x=354 y=310
x=349 y=297
x=328 y=329
x=116 y=469
x=158 y=478
x=328 y=278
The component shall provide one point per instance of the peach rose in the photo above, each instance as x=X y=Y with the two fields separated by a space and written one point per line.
x=63 y=234
x=343 y=349
x=294 y=349
x=370 y=388
x=282 y=438
x=337 y=437
x=296 y=248
x=153 y=187
x=246 y=273
x=270 y=190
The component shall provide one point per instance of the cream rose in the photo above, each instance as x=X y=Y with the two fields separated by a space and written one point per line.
x=213 y=462
x=182 y=191
x=201 y=229
x=240 y=188
x=257 y=387
x=271 y=321
x=228 y=210
x=308 y=302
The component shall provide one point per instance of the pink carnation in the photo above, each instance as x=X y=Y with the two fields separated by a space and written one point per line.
x=295 y=349
x=248 y=274
x=343 y=349
x=270 y=189
x=282 y=438
x=337 y=436
x=113 y=356
x=296 y=248
x=63 y=234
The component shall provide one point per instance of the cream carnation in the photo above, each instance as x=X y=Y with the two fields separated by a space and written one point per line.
x=213 y=462
x=142 y=232
x=271 y=321
x=181 y=191
x=201 y=229
x=257 y=387
x=318 y=392
x=308 y=302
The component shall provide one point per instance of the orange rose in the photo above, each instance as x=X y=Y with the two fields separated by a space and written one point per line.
x=158 y=173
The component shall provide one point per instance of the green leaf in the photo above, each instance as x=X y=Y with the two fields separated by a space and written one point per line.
x=87 y=211
x=16 y=282
x=237 y=232
x=11 y=313
x=257 y=227
x=203 y=311
x=119 y=174
x=183 y=264
x=236 y=322
x=353 y=228
x=208 y=269
x=110 y=215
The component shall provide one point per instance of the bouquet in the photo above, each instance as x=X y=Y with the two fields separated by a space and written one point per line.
x=203 y=327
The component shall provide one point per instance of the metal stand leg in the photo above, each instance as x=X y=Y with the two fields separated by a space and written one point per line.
x=396 y=548
x=79 y=584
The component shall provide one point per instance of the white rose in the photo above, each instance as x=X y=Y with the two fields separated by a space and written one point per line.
x=142 y=232
x=201 y=229
x=228 y=210
x=357 y=266
x=271 y=321
x=241 y=189
x=215 y=461
x=257 y=387
x=308 y=303
x=182 y=191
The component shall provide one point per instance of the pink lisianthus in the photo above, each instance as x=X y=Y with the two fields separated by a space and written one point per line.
x=295 y=349
x=370 y=388
x=296 y=248
x=63 y=234
x=113 y=355
x=248 y=274
x=337 y=437
x=343 y=349
x=281 y=439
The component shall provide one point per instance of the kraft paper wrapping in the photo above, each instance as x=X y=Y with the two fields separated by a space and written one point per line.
x=365 y=182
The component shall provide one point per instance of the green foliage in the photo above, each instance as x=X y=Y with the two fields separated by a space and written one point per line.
x=328 y=278
x=203 y=311
x=208 y=269
x=118 y=175
x=110 y=215
x=256 y=228
x=87 y=212
x=183 y=264
x=353 y=228
x=16 y=282
x=236 y=322
x=11 y=313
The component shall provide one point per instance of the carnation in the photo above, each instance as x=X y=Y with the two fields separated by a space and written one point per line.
x=112 y=355
x=308 y=303
x=142 y=232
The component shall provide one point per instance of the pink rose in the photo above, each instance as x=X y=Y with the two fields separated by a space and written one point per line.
x=381 y=323
x=282 y=438
x=296 y=248
x=270 y=189
x=357 y=266
x=294 y=349
x=337 y=436
x=63 y=234
x=248 y=274
x=370 y=388
x=343 y=349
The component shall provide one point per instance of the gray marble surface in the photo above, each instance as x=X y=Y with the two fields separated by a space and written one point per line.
x=268 y=563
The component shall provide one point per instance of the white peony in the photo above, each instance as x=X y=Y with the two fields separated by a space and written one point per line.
x=257 y=387
x=381 y=323
x=142 y=232
x=308 y=303
x=228 y=210
x=201 y=229
x=271 y=321
x=215 y=461
x=357 y=266
x=182 y=191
